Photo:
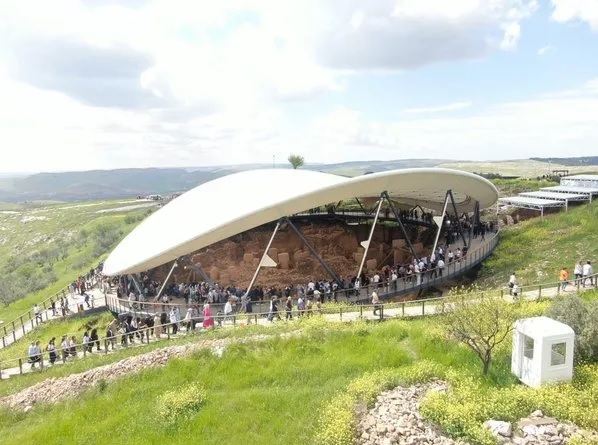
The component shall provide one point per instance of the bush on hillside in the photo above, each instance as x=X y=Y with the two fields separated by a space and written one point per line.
x=582 y=317
x=181 y=403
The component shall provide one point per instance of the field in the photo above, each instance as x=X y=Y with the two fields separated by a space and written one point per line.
x=526 y=168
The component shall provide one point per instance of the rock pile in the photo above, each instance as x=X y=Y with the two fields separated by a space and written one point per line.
x=537 y=429
x=395 y=419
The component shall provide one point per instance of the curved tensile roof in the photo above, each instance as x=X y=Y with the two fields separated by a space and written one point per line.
x=232 y=204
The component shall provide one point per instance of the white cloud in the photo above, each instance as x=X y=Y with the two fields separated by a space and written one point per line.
x=440 y=108
x=554 y=125
x=512 y=33
x=179 y=83
x=544 y=50
x=569 y=10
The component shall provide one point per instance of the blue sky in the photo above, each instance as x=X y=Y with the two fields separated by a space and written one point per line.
x=88 y=84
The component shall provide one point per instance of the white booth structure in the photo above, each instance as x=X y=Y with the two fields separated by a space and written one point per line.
x=542 y=351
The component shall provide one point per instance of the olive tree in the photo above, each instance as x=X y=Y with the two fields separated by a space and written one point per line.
x=296 y=161
x=480 y=322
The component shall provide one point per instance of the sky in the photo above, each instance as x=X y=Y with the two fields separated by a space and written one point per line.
x=91 y=84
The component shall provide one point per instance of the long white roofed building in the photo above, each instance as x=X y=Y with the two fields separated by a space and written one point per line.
x=233 y=204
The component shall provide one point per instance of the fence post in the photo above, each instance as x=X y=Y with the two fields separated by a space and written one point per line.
x=21 y=366
x=341 y=313
x=381 y=316
x=403 y=309
x=360 y=311
x=22 y=325
x=31 y=320
x=502 y=293
x=540 y=291
x=0 y=370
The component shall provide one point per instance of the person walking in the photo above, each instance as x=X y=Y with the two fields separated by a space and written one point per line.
x=588 y=274
x=512 y=282
x=375 y=302
x=563 y=277
x=289 y=308
x=37 y=312
x=578 y=272
x=51 y=350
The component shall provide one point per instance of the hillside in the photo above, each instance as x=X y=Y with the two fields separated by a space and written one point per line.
x=124 y=183
x=537 y=249
x=44 y=247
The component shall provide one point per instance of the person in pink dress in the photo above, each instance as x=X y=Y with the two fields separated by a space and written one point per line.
x=208 y=320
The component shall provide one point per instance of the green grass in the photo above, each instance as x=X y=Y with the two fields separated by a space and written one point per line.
x=268 y=392
x=44 y=248
x=537 y=249
x=274 y=391
x=74 y=325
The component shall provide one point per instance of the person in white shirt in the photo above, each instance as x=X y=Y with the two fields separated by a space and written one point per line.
x=440 y=266
x=578 y=272
x=512 y=283
x=375 y=302
x=588 y=273
x=228 y=310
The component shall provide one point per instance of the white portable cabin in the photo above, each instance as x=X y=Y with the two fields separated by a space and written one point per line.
x=542 y=351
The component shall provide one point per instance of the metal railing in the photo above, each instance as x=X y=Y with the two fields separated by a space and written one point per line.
x=10 y=330
x=340 y=312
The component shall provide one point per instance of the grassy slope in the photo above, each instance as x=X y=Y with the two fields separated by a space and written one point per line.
x=54 y=226
x=537 y=249
x=267 y=393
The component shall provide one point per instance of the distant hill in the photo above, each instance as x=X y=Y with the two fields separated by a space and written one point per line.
x=131 y=182
x=584 y=160
x=123 y=183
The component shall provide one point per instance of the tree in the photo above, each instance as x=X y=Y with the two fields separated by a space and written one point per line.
x=580 y=315
x=482 y=323
x=296 y=161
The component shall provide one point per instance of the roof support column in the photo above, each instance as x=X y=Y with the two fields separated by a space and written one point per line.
x=366 y=244
x=197 y=269
x=265 y=260
x=361 y=206
x=136 y=283
x=398 y=218
x=450 y=194
x=313 y=250
x=439 y=220
x=174 y=265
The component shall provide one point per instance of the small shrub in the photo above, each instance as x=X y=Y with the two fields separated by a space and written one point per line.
x=181 y=403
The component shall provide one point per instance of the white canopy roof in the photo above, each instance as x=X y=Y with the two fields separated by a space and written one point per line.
x=232 y=204
x=543 y=327
x=531 y=203
x=555 y=195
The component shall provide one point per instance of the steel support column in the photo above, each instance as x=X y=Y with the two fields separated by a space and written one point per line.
x=398 y=218
x=313 y=250
x=450 y=194
x=361 y=205
x=367 y=246
x=265 y=254
x=136 y=283
x=440 y=222
x=174 y=265
x=197 y=269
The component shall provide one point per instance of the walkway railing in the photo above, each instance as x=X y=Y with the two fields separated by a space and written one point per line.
x=339 y=312
x=10 y=330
